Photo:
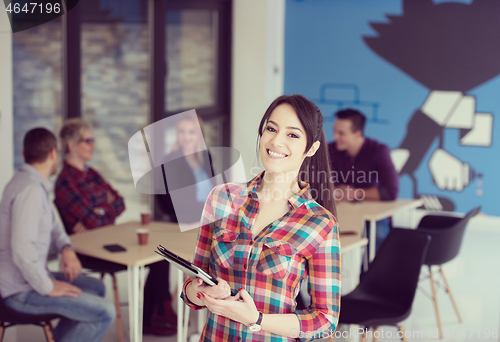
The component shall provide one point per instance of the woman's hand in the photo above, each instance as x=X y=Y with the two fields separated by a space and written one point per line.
x=220 y=291
x=243 y=311
x=79 y=228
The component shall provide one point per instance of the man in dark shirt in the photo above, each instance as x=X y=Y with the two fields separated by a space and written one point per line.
x=361 y=167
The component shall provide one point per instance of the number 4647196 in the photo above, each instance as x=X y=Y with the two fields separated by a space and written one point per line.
x=34 y=7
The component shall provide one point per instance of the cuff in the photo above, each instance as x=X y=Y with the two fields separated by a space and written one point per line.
x=186 y=299
x=62 y=242
x=67 y=245
x=307 y=320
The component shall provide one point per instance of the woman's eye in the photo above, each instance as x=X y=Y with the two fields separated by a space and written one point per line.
x=270 y=129
x=293 y=135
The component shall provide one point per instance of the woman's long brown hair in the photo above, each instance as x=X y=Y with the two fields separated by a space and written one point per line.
x=315 y=170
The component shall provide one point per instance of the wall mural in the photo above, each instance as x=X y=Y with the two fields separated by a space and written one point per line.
x=424 y=73
x=450 y=48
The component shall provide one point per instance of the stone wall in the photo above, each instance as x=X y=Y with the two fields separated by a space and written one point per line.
x=37 y=78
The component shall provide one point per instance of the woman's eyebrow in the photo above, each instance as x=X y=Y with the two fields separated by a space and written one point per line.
x=289 y=127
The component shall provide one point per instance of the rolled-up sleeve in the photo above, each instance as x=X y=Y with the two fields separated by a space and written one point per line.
x=324 y=289
x=59 y=237
x=24 y=240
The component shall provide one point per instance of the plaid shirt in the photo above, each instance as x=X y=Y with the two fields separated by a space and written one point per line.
x=301 y=245
x=78 y=193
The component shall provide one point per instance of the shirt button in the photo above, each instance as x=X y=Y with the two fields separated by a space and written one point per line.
x=251 y=242
x=238 y=339
x=278 y=247
x=245 y=266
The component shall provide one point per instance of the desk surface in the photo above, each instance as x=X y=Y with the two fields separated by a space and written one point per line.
x=351 y=216
x=161 y=233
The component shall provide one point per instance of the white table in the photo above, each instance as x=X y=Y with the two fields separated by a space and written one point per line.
x=136 y=257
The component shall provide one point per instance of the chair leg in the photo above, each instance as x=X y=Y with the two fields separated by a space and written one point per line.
x=434 y=299
x=47 y=328
x=119 y=325
x=2 y=330
x=449 y=293
x=403 y=337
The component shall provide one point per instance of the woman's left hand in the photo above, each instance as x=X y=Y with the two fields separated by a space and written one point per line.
x=243 y=311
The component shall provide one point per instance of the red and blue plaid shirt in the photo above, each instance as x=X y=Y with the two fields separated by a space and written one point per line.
x=302 y=245
x=78 y=193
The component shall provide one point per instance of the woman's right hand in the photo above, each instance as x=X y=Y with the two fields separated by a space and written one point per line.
x=220 y=291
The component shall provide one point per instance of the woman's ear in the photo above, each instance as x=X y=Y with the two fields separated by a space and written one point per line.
x=313 y=149
x=71 y=146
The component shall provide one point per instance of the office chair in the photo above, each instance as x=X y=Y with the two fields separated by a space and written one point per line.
x=385 y=294
x=446 y=238
x=10 y=317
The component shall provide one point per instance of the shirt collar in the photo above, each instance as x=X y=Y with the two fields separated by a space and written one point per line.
x=296 y=200
x=78 y=172
x=38 y=176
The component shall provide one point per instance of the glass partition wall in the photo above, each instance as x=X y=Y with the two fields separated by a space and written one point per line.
x=121 y=65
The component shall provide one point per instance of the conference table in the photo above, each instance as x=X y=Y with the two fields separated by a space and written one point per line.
x=351 y=217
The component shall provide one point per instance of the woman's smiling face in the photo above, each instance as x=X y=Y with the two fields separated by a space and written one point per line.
x=283 y=141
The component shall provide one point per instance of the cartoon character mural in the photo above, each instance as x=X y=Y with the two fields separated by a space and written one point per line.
x=450 y=48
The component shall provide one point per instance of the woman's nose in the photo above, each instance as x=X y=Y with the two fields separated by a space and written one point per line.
x=278 y=140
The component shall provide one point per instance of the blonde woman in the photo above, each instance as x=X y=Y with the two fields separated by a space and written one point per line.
x=86 y=201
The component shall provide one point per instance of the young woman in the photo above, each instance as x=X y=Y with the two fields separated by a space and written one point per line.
x=261 y=239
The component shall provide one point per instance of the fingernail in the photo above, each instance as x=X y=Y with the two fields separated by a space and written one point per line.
x=198 y=295
x=240 y=289
x=203 y=295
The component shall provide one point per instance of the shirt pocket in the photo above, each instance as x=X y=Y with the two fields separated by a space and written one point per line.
x=223 y=247
x=274 y=260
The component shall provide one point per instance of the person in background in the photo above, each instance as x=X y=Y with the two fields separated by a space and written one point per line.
x=362 y=167
x=189 y=163
x=263 y=237
x=28 y=229
x=86 y=201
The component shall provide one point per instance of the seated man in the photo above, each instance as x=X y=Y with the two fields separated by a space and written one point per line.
x=362 y=167
x=27 y=230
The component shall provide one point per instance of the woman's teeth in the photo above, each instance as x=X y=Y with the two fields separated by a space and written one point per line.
x=275 y=154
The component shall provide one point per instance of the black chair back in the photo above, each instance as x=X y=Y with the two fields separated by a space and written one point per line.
x=447 y=235
x=393 y=275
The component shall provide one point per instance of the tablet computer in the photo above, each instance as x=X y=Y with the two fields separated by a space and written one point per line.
x=185 y=266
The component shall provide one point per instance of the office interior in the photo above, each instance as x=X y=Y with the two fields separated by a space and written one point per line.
x=122 y=65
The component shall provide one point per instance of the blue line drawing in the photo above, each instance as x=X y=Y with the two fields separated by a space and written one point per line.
x=353 y=102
